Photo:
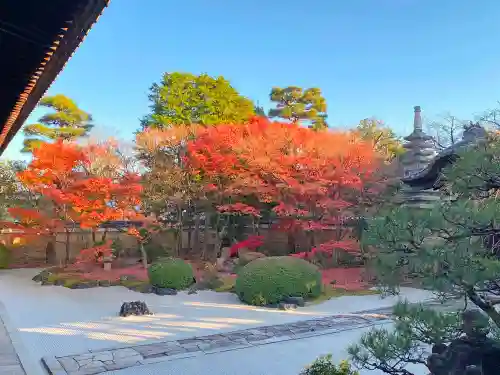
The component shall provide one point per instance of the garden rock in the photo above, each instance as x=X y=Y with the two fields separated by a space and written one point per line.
x=81 y=285
x=44 y=275
x=104 y=283
x=134 y=308
x=287 y=306
x=142 y=288
x=299 y=301
x=164 y=291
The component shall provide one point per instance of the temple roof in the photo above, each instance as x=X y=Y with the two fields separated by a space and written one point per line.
x=427 y=177
x=37 y=38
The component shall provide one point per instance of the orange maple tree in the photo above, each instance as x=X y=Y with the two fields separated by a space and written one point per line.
x=60 y=173
x=309 y=180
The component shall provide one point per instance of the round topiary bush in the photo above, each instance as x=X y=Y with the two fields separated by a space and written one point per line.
x=270 y=280
x=171 y=273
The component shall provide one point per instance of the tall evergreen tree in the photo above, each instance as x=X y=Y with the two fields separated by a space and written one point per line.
x=67 y=121
x=298 y=105
x=184 y=98
x=383 y=138
x=259 y=111
x=452 y=249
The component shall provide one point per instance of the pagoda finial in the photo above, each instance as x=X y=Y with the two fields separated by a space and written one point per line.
x=417 y=120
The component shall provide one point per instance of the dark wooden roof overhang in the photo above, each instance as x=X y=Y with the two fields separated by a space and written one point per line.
x=37 y=38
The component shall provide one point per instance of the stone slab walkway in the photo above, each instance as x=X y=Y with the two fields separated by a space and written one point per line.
x=9 y=360
x=96 y=362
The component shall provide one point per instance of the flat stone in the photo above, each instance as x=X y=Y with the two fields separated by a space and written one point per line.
x=81 y=357
x=189 y=341
x=175 y=350
x=296 y=331
x=191 y=348
x=53 y=366
x=69 y=364
x=84 y=362
x=123 y=353
x=129 y=361
x=252 y=338
x=89 y=371
x=151 y=350
x=93 y=364
x=116 y=366
x=103 y=356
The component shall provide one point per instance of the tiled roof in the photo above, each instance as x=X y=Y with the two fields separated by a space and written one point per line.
x=36 y=42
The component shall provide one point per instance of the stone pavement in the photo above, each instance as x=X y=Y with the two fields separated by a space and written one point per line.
x=99 y=361
x=9 y=361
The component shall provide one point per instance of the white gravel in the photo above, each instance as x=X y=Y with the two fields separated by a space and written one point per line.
x=53 y=320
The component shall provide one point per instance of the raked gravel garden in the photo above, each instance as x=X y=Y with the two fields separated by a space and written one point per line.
x=53 y=320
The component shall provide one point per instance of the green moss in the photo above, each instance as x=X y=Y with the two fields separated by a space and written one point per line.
x=132 y=283
x=330 y=292
x=171 y=273
x=54 y=277
x=270 y=280
x=228 y=285
x=71 y=282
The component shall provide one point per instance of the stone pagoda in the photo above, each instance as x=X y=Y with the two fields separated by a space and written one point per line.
x=423 y=166
x=420 y=153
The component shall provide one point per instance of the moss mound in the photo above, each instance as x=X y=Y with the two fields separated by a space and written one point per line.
x=171 y=273
x=270 y=280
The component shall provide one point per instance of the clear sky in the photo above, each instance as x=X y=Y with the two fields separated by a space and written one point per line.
x=370 y=57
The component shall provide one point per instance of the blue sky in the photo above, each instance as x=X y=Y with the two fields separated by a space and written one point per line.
x=370 y=57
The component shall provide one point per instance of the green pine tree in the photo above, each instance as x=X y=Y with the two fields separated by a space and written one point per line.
x=450 y=250
x=383 y=138
x=184 y=98
x=298 y=105
x=259 y=111
x=67 y=121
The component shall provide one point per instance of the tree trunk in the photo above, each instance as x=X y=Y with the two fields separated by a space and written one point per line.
x=489 y=309
x=291 y=242
x=105 y=233
x=189 y=235
x=50 y=253
x=144 y=255
x=67 y=247
x=196 y=233
x=206 y=236
x=180 y=233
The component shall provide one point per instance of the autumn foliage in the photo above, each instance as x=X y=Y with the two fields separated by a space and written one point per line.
x=310 y=181
x=60 y=174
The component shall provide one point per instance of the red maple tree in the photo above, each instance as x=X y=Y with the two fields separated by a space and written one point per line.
x=309 y=180
x=60 y=173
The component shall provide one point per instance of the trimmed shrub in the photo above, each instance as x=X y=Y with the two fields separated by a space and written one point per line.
x=324 y=366
x=270 y=280
x=171 y=273
x=5 y=256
